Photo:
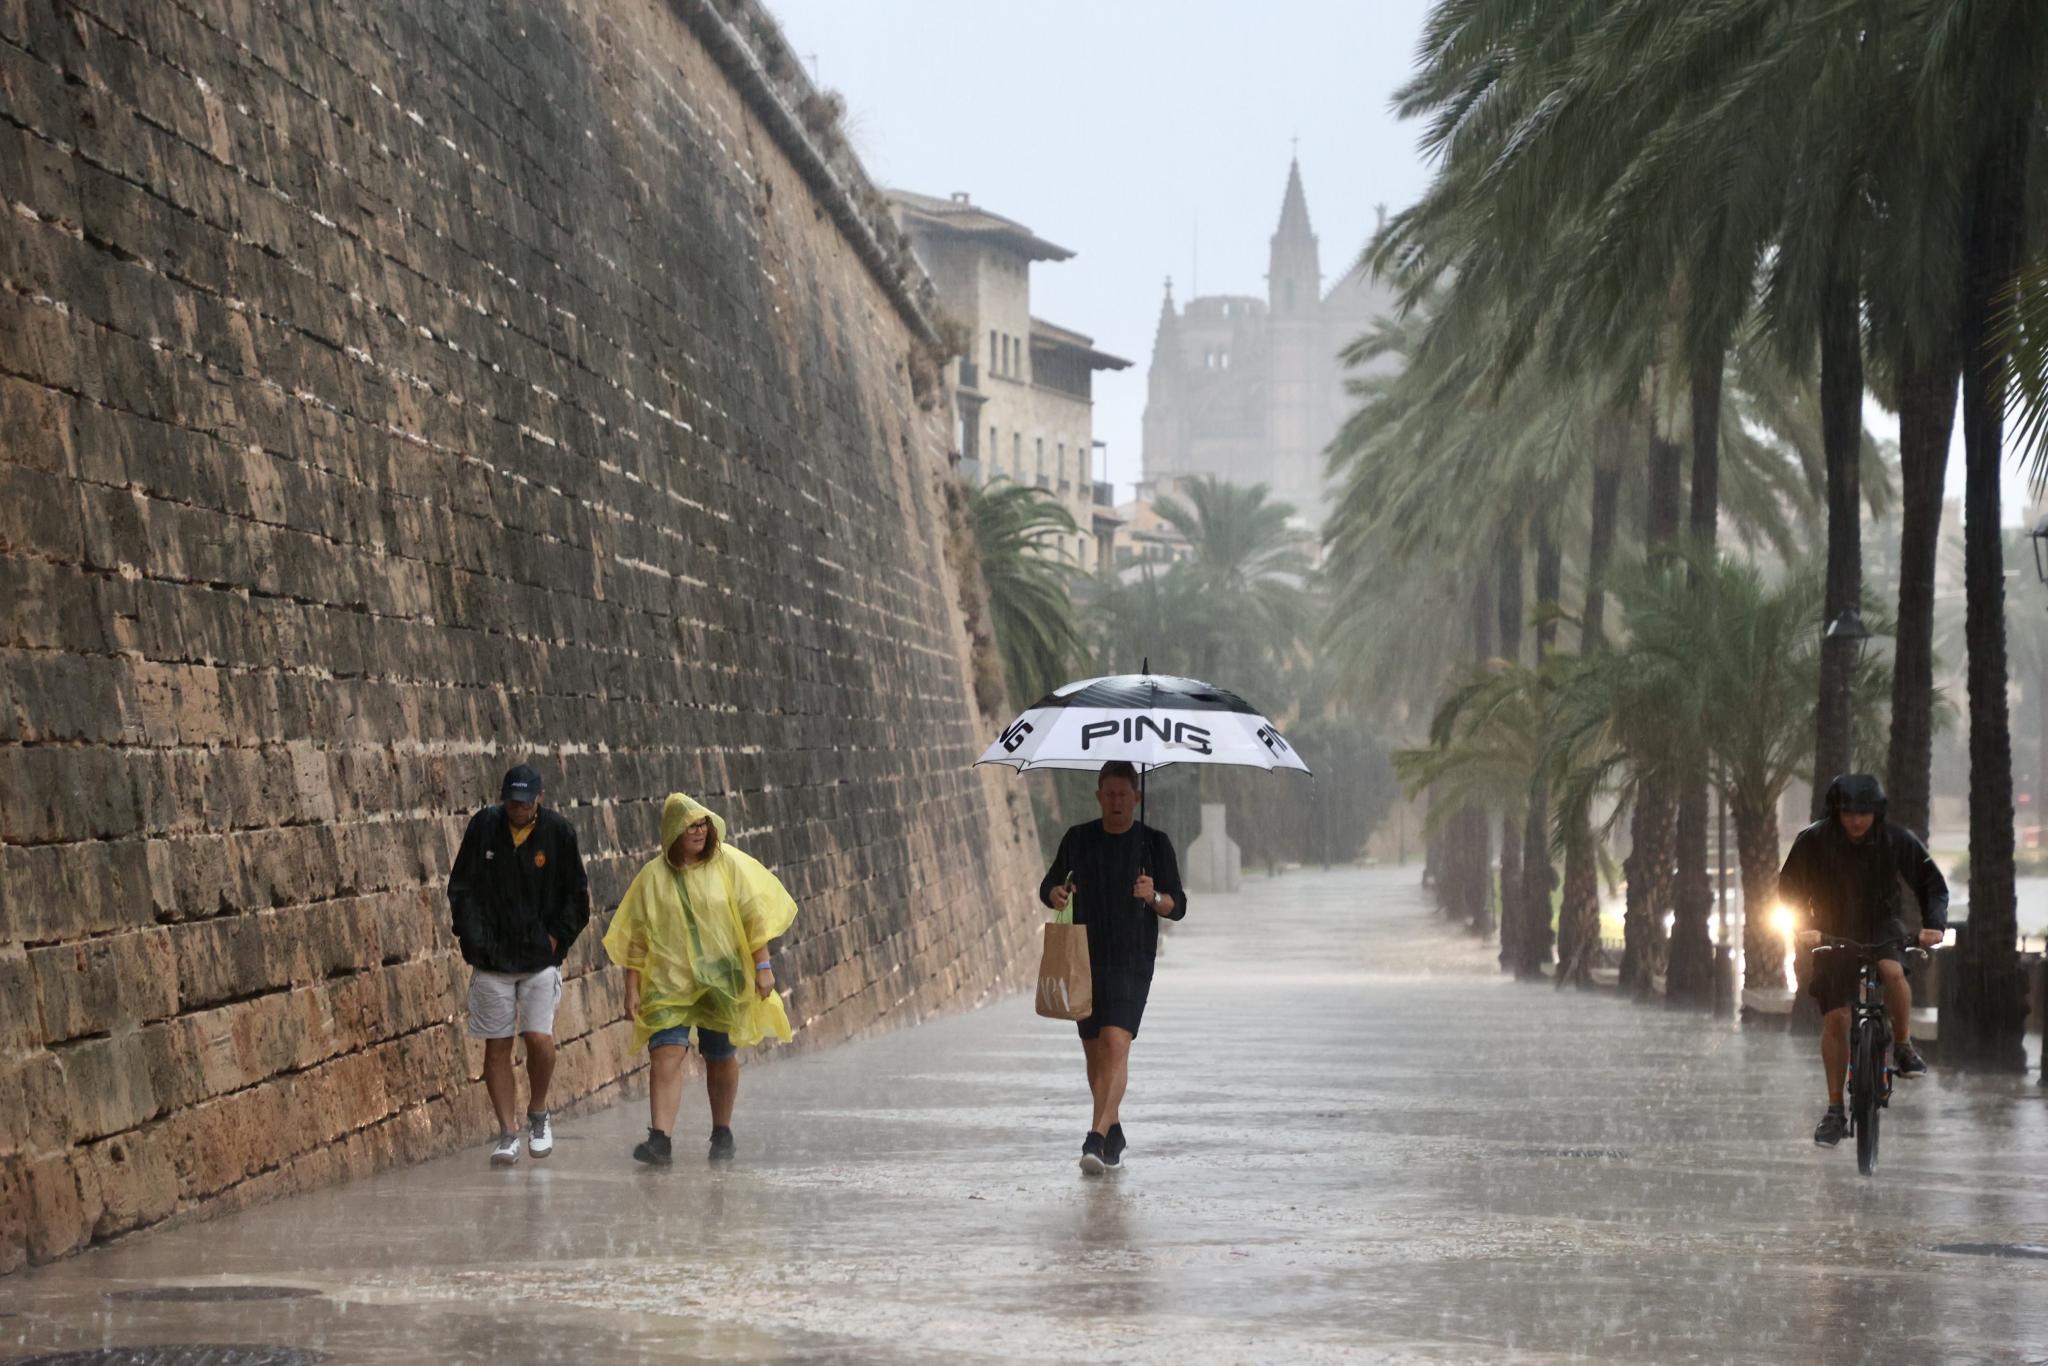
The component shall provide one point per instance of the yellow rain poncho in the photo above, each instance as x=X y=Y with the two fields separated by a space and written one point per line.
x=692 y=934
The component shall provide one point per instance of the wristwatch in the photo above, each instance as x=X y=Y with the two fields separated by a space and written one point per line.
x=1155 y=898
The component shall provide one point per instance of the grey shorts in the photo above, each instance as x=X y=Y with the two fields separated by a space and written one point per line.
x=502 y=1004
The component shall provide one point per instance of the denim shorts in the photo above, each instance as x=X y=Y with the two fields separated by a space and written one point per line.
x=715 y=1046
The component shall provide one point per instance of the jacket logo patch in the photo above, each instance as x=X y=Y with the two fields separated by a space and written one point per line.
x=490 y=853
x=540 y=860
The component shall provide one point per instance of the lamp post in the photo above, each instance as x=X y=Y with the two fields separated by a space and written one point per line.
x=1847 y=632
x=2038 y=538
x=1726 y=989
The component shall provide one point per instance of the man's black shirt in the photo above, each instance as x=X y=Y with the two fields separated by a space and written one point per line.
x=1123 y=933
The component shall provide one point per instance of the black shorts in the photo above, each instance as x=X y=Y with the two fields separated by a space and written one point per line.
x=1837 y=977
x=1119 y=1013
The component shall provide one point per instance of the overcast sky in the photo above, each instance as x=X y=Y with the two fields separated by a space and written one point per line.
x=1149 y=136
x=1135 y=132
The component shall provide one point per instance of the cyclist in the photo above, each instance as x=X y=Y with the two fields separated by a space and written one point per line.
x=1845 y=872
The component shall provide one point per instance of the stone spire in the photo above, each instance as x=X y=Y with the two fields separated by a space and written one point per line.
x=1294 y=279
x=1164 y=376
x=1164 y=436
x=1167 y=334
x=1294 y=209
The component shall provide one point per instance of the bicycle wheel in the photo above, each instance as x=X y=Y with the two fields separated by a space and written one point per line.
x=1866 y=1088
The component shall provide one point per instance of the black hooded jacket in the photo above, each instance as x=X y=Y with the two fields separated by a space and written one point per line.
x=506 y=901
x=1851 y=887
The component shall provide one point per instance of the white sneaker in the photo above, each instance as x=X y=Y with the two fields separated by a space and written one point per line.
x=507 y=1152
x=540 y=1134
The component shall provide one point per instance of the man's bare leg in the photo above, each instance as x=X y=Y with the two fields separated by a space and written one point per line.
x=1834 y=1051
x=1113 y=1048
x=500 y=1085
x=1898 y=999
x=1096 y=1079
x=540 y=1070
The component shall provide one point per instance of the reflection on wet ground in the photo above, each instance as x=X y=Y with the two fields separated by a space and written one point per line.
x=1350 y=1141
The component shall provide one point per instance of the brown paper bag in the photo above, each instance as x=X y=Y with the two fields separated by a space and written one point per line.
x=1066 y=988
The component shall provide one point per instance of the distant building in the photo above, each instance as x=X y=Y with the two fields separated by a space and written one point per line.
x=1025 y=404
x=1147 y=540
x=1251 y=390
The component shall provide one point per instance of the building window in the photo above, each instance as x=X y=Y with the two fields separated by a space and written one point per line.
x=995 y=452
x=1017 y=455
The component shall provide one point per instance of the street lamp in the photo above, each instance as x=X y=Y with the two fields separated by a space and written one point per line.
x=1847 y=632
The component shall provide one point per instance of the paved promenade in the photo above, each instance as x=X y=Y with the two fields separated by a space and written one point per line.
x=1350 y=1141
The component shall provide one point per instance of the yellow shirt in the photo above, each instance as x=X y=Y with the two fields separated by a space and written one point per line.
x=519 y=834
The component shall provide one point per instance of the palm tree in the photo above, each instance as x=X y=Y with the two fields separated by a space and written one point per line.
x=1748 y=647
x=1029 y=587
x=1249 y=566
x=2025 y=336
x=1986 y=67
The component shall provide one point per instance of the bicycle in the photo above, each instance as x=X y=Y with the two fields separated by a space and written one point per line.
x=1869 y=1082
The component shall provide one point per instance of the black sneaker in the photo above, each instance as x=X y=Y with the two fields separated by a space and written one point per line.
x=722 y=1146
x=1091 y=1154
x=1907 y=1062
x=1833 y=1127
x=654 y=1150
x=1113 y=1146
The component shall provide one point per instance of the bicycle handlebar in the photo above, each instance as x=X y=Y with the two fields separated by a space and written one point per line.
x=1910 y=945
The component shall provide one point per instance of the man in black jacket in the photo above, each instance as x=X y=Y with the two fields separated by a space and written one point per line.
x=1845 y=870
x=1122 y=880
x=519 y=899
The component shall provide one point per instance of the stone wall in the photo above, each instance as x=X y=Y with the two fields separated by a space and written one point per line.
x=391 y=391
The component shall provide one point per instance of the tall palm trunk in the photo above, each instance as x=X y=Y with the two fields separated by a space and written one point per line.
x=1538 y=877
x=1990 y=996
x=1692 y=948
x=1653 y=818
x=1653 y=832
x=1511 y=608
x=2039 y=687
x=1467 y=857
x=1927 y=407
x=1578 y=922
x=1841 y=428
x=1756 y=850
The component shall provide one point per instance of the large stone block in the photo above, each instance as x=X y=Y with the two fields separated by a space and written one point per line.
x=93 y=986
x=58 y=1222
x=36 y=1118
x=108 y=1085
x=127 y=1182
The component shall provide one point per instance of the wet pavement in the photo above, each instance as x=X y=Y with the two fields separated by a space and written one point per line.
x=1350 y=1141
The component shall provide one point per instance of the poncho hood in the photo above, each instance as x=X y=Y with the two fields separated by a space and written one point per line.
x=682 y=811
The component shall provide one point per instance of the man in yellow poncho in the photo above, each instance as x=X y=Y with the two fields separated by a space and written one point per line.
x=693 y=934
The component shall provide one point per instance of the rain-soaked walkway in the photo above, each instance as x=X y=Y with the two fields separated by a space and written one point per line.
x=1350 y=1140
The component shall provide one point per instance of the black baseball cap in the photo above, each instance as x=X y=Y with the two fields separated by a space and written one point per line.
x=522 y=784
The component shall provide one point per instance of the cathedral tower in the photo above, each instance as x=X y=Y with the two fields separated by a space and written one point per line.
x=1294 y=290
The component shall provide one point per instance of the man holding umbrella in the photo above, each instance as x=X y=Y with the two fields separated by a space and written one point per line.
x=1118 y=874
x=1120 y=878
